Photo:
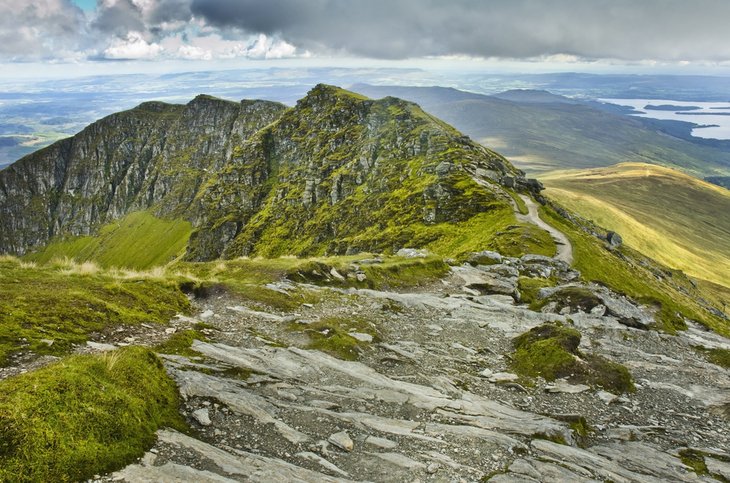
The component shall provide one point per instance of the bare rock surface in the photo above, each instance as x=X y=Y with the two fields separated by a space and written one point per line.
x=435 y=397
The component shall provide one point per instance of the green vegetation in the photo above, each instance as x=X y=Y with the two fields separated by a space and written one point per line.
x=179 y=343
x=721 y=357
x=676 y=219
x=83 y=416
x=530 y=287
x=47 y=309
x=385 y=273
x=139 y=241
x=521 y=206
x=551 y=351
x=627 y=271
x=695 y=460
x=576 y=298
x=333 y=335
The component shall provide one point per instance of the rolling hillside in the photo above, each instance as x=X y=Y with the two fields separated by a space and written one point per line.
x=667 y=215
x=539 y=131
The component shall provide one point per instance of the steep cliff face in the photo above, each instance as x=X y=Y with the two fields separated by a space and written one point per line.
x=155 y=155
x=336 y=173
x=342 y=173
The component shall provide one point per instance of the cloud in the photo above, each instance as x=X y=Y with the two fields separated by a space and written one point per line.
x=133 y=47
x=621 y=29
x=41 y=29
x=556 y=30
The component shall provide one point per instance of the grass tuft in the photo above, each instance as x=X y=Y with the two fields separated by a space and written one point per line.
x=63 y=304
x=551 y=351
x=83 y=416
x=332 y=335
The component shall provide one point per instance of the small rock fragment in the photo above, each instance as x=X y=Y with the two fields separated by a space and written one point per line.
x=342 y=440
x=100 y=346
x=500 y=377
x=380 y=442
x=336 y=274
x=607 y=397
x=486 y=373
x=362 y=337
x=202 y=416
x=563 y=386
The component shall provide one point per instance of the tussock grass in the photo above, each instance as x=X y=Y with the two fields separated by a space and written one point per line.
x=83 y=416
x=65 y=301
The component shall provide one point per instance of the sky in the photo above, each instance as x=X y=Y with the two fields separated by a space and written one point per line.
x=70 y=37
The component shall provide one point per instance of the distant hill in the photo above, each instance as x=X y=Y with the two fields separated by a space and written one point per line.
x=539 y=131
x=674 y=218
x=534 y=96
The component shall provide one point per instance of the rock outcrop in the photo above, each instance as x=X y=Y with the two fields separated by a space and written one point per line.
x=328 y=175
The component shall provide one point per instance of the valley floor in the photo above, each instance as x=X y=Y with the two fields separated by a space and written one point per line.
x=429 y=393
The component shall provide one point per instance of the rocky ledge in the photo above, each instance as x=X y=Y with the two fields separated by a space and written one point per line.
x=431 y=392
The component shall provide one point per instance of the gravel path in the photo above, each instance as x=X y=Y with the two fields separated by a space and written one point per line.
x=565 y=248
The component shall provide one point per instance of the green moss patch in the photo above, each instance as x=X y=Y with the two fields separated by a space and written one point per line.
x=530 y=287
x=573 y=298
x=695 y=460
x=333 y=335
x=551 y=351
x=721 y=357
x=49 y=309
x=84 y=416
x=180 y=342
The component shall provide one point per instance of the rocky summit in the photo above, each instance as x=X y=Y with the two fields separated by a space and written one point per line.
x=344 y=290
x=337 y=173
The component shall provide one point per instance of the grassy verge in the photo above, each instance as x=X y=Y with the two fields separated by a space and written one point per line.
x=139 y=241
x=84 y=416
x=630 y=273
x=49 y=309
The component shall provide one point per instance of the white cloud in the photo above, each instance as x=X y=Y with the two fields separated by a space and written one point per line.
x=267 y=48
x=214 y=46
x=134 y=46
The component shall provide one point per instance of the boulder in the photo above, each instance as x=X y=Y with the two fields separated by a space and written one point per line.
x=614 y=239
x=412 y=253
x=485 y=257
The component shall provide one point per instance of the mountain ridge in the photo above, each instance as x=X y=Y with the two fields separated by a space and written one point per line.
x=256 y=170
x=557 y=132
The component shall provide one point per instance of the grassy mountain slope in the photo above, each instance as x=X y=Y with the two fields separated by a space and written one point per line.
x=669 y=293
x=676 y=219
x=538 y=133
x=139 y=240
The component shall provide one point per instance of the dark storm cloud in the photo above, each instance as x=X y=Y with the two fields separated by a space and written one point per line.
x=622 y=29
x=119 y=18
x=169 y=11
